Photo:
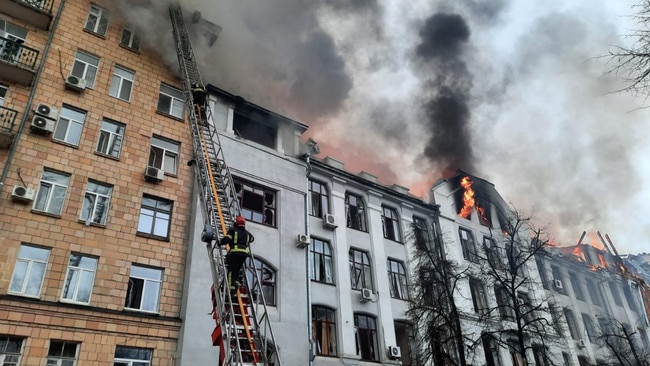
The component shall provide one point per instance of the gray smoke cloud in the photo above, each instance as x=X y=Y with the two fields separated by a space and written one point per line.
x=507 y=90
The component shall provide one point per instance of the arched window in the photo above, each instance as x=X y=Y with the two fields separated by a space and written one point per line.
x=323 y=322
x=266 y=275
x=367 y=340
x=321 y=261
x=360 y=270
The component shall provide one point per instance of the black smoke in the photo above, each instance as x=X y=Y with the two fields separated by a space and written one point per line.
x=446 y=91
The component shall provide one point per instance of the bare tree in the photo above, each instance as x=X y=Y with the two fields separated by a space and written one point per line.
x=436 y=319
x=623 y=343
x=521 y=320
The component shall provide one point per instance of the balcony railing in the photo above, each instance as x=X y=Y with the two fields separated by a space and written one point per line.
x=15 y=53
x=37 y=13
x=7 y=119
x=44 y=5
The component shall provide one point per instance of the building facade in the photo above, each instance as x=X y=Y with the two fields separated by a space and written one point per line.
x=95 y=198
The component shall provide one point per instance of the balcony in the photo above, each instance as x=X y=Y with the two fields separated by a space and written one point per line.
x=7 y=124
x=17 y=62
x=37 y=13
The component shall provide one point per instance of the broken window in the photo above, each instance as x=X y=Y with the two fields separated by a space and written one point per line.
x=397 y=279
x=360 y=270
x=323 y=322
x=366 y=334
x=494 y=254
x=248 y=128
x=355 y=212
x=321 y=261
x=589 y=327
x=257 y=203
x=391 y=225
x=571 y=323
x=266 y=275
x=577 y=288
x=319 y=199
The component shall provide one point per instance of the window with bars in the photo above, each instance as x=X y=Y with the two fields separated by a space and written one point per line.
x=111 y=137
x=143 y=292
x=321 y=261
x=258 y=203
x=29 y=271
x=96 y=203
x=97 y=20
x=319 y=196
x=79 y=279
x=360 y=270
x=355 y=211
x=62 y=353
x=397 y=279
x=391 y=225
x=323 y=322
x=155 y=217
x=366 y=337
x=51 y=192
x=85 y=67
x=70 y=125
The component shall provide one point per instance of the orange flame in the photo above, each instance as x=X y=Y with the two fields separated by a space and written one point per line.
x=468 y=198
x=577 y=251
x=601 y=258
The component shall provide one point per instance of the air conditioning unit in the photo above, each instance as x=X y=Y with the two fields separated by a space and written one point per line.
x=582 y=343
x=75 y=83
x=47 y=111
x=24 y=194
x=153 y=174
x=302 y=241
x=329 y=221
x=558 y=284
x=394 y=352
x=366 y=294
x=42 y=124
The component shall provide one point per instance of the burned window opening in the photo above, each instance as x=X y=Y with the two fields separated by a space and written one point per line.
x=249 y=128
x=257 y=203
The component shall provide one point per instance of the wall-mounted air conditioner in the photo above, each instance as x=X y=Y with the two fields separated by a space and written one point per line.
x=302 y=241
x=42 y=124
x=558 y=284
x=23 y=194
x=394 y=352
x=75 y=83
x=329 y=221
x=153 y=174
x=366 y=294
x=47 y=111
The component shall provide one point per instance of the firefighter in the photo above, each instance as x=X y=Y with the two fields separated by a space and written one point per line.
x=199 y=95
x=238 y=239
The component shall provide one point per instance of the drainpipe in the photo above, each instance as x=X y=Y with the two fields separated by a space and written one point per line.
x=312 y=348
x=32 y=92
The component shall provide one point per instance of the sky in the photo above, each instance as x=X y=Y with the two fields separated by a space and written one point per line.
x=513 y=91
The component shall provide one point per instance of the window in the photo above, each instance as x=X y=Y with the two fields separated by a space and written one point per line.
x=144 y=288
x=321 y=261
x=360 y=270
x=355 y=212
x=556 y=319
x=391 y=225
x=323 y=323
x=516 y=357
x=493 y=252
x=631 y=303
x=468 y=244
x=526 y=308
x=171 y=101
x=397 y=279
x=255 y=126
x=130 y=39
x=11 y=46
x=615 y=294
x=594 y=292
x=131 y=356
x=319 y=199
x=29 y=271
x=3 y=93
x=163 y=155
x=366 y=334
x=96 y=203
x=85 y=67
x=266 y=274
x=421 y=228
x=51 y=192
x=558 y=279
x=155 y=217
x=97 y=21
x=589 y=327
x=257 y=203
x=571 y=323
x=79 y=279
x=61 y=354
x=543 y=274
x=491 y=350
x=122 y=83
x=70 y=125
x=567 y=359
x=504 y=304
x=11 y=349
x=583 y=361
x=539 y=354
x=575 y=284
x=111 y=137
x=479 y=299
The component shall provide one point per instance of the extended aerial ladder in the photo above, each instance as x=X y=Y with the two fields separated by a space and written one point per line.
x=243 y=330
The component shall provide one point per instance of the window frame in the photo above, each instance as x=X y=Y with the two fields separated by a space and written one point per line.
x=148 y=279
x=320 y=252
x=391 y=224
x=50 y=196
x=71 y=127
x=133 y=37
x=268 y=216
x=121 y=75
x=504 y=303
x=572 y=324
x=163 y=146
x=4 y=353
x=79 y=279
x=356 y=220
x=588 y=323
x=123 y=361
x=89 y=70
x=62 y=357
x=397 y=279
x=318 y=198
x=101 y=20
x=328 y=330
x=29 y=259
x=479 y=296
x=372 y=351
x=578 y=292
x=156 y=211
x=97 y=187
x=421 y=228
x=175 y=101
x=468 y=245
x=363 y=268
x=268 y=279
x=110 y=139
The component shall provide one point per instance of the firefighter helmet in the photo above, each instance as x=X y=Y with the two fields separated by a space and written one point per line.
x=240 y=221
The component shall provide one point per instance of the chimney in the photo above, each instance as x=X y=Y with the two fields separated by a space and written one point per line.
x=367 y=176
x=333 y=162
